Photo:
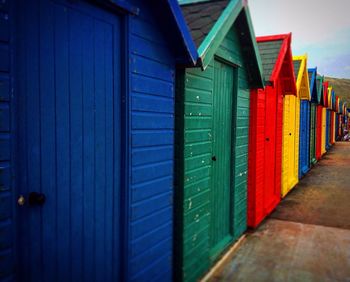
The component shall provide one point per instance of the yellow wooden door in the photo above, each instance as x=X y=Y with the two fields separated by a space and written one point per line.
x=290 y=151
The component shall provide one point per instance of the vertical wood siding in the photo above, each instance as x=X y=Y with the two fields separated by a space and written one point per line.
x=304 y=141
x=150 y=143
x=324 y=130
x=68 y=138
x=328 y=129
x=194 y=176
x=256 y=156
x=318 y=131
x=7 y=243
x=313 y=133
x=290 y=158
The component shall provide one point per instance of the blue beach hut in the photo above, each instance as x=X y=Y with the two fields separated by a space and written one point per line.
x=87 y=138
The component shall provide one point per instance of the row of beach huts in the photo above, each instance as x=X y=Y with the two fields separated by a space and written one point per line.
x=140 y=139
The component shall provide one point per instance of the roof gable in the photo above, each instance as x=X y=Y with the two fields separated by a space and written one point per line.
x=269 y=52
x=277 y=60
x=313 y=84
x=329 y=97
x=325 y=94
x=169 y=13
x=201 y=17
x=319 y=85
x=302 y=77
x=208 y=40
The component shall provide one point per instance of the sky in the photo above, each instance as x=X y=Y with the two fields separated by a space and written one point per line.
x=319 y=28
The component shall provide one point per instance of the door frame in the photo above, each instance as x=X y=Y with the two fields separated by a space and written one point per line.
x=125 y=153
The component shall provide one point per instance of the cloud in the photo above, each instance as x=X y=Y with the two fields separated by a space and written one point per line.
x=322 y=31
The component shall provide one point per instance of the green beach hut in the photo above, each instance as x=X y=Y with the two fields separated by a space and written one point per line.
x=212 y=125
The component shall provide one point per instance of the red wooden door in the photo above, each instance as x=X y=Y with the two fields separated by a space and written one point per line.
x=318 y=132
x=270 y=147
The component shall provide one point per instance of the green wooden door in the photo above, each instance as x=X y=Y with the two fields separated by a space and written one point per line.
x=313 y=134
x=220 y=201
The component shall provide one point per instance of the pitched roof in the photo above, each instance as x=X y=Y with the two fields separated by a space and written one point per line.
x=201 y=17
x=269 y=51
x=329 y=97
x=313 y=84
x=171 y=21
x=325 y=94
x=297 y=64
x=302 y=77
x=319 y=85
x=333 y=100
x=277 y=60
x=209 y=23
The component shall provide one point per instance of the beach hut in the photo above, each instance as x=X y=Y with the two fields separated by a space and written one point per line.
x=328 y=117
x=212 y=122
x=333 y=118
x=319 y=117
x=324 y=118
x=304 y=124
x=291 y=119
x=265 y=127
x=87 y=145
x=313 y=114
x=337 y=119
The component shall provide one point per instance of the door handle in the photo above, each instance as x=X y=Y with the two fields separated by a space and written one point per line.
x=34 y=199
x=213 y=158
x=21 y=201
x=267 y=139
x=290 y=134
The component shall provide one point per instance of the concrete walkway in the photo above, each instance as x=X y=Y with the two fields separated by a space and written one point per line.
x=307 y=238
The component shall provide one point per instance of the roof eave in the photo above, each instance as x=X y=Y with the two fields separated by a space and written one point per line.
x=313 y=86
x=281 y=56
x=220 y=29
x=218 y=32
x=188 y=42
x=303 y=71
x=260 y=80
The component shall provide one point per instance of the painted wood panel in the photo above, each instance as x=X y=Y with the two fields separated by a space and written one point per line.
x=7 y=130
x=69 y=132
x=328 y=129
x=324 y=130
x=313 y=133
x=71 y=51
x=319 y=122
x=304 y=142
x=195 y=167
x=220 y=232
x=333 y=128
x=290 y=157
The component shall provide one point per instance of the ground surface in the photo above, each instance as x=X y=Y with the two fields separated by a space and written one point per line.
x=307 y=238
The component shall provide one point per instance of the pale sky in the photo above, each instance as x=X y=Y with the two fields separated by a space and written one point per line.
x=319 y=28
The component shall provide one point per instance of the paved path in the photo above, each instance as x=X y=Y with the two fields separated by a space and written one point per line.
x=307 y=238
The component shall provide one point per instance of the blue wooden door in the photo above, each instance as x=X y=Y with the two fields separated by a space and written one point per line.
x=68 y=142
x=304 y=141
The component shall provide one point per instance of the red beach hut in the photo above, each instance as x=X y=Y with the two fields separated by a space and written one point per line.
x=265 y=132
x=319 y=118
